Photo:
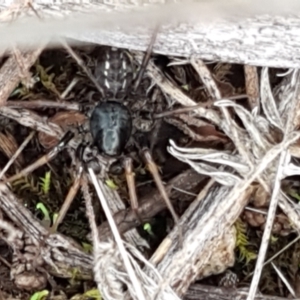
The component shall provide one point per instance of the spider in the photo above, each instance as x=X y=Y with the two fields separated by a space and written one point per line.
x=112 y=125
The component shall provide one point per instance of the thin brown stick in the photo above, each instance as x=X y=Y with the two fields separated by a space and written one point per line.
x=252 y=86
x=81 y=63
x=146 y=58
x=68 y=201
x=154 y=171
x=209 y=103
x=42 y=160
x=32 y=120
x=42 y=104
x=20 y=149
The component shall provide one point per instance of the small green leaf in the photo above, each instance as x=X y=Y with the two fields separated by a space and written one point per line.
x=45 y=183
x=294 y=194
x=88 y=248
x=44 y=210
x=93 y=293
x=273 y=239
x=185 y=87
x=242 y=242
x=54 y=218
x=40 y=295
x=46 y=79
x=148 y=229
x=24 y=187
x=111 y=184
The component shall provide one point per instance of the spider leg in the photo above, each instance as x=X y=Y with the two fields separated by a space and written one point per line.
x=155 y=174
x=131 y=187
x=68 y=200
x=73 y=189
x=146 y=59
x=44 y=159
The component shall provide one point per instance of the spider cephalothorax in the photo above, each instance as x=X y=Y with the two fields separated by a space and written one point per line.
x=111 y=126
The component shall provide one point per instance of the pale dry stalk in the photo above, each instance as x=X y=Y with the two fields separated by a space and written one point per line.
x=255 y=30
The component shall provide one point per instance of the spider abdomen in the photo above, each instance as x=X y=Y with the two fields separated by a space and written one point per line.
x=111 y=126
x=114 y=73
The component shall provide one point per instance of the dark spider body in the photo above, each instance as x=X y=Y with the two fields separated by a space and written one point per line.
x=111 y=126
x=111 y=121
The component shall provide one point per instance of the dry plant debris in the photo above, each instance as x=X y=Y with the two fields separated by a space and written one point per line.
x=234 y=156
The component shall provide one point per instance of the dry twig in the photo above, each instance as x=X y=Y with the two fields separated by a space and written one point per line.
x=10 y=74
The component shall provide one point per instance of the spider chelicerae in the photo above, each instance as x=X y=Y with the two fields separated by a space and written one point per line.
x=117 y=120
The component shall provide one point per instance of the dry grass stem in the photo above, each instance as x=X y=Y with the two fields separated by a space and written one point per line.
x=17 y=153
x=252 y=87
x=32 y=120
x=43 y=103
x=284 y=280
x=268 y=228
x=134 y=280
